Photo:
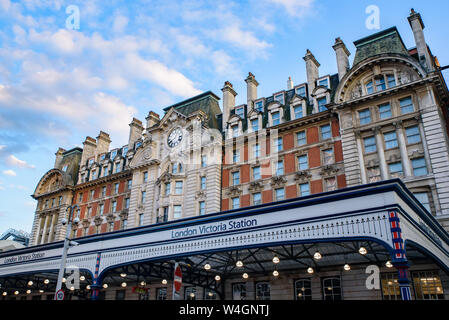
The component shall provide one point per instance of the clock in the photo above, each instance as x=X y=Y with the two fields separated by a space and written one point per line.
x=174 y=138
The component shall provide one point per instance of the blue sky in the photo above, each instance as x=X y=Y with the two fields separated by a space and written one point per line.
x=129 y=57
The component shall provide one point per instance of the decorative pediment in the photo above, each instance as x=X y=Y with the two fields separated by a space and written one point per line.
x=253 y=113
x=416 y=153
x=278 y=181
x=171 y=118
x=273 y=105
x=329 y=170
x=303 y=175
x=234 y=119
x=164 y=178
x=320 y=90
x=297 y=99
x=52 y=181
x=255 y=186
x=234 y=191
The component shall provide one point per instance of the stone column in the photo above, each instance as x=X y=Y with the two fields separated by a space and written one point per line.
x=403 y=149
x=44 y=231
x=50 y=232
x=361 y=158
x=381 y=153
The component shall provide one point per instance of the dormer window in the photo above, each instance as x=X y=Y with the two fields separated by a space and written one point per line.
x=322 y=104
x=113 y=154
x=298 y=111
x=240 y=111
x=369 y=87
x=91 y=162
x=258 y=105
x=235 y=131
x=279 y=98
x=124 y=151
x=324 y=83
x=255 y=124
x=301 y=91
x=103 y=156
x=276 y=118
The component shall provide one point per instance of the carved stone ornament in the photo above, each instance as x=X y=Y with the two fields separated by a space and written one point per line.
x=147 y=153
x=110 y=217
x=164 y=178
x=85 y=222
x=404 y=77
x=123 y=214
x=234 y=191
x=356 y=92
x=255 y=186
x=200 y=195
x=329 y=170
x=278 y=181
x=98 y=220
x=303 y=175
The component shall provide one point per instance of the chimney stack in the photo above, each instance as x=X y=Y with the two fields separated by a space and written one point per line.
x=417 y=27
x=152 y=119
x=103 y=142
x=135 y=132
x=58 y=158
x=228 y=101
x=289 y=83
x=251 y=90
x=312 y=66
x=89 y=148
x=342 y=54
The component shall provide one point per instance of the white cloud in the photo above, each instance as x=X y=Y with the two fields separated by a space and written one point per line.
x=296 y=8
x=13 y=161
x=9 y=173
x=120 y=23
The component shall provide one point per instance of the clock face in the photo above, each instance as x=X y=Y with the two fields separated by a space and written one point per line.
x=174 y=138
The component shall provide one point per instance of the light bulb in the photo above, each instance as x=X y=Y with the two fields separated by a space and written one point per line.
x=245 y=275
x=105 y=285
x=239 y=264
x=276 y=260
x=30 y=283
x=46 y=281
x=317 y=256
x=310 y=270
x=164 y=281
x=363 y=251
x=82 y=278
x=122 y=275
x=28 y=291
x=207 y=266
x=275 y=273
x=123 y=284
x=217 y=278
x=389 y=264
x=347 y=267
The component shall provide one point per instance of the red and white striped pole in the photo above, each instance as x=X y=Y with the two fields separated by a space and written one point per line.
x=177 y=282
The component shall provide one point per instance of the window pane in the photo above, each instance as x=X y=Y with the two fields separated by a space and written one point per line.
x=303 y=289
x=322 y=104
x=423 y=198
x=279 y=98
x=395 y=169
x=177 y=212
x=275 y=116
x=280 y=195
x=304 y=189
x=259 y=106
x=390 y=287
x=370 y=144
x=257 y=198
x=390 y=140
x=235 y=203
x=385 y=111
x=256 y=173
x=369 y=87
x=413 y=135
x=365 y=116
x=255 y=124
x=301 y=91
x=303 y=162
x=301 y=138
x=419 y=167
x=324 y=83
x=263 y=291
x=326 y=132
x=280 y=167
x=406 y=105
x=298 y=112
x=427 y=285
x=391 y=80
x=239 y=291
x=331 y=289
x=380 y=84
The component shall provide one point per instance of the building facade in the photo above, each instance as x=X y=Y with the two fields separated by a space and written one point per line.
x=312 y=164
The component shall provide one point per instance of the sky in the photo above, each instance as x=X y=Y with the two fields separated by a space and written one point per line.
x=61 y=81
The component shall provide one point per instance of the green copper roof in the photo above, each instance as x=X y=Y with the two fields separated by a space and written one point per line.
x=206 y=102
x=387 y=41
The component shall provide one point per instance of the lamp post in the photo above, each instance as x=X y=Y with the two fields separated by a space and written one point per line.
x=67 y=243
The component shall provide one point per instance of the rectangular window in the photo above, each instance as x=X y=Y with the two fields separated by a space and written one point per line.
x=89 y=212
x=369 y=87
x=322 y=104
x=143 y=196
x=279 y=144
x=303 y=162
x=240 y=111
x=298 y=111
x=167 y=188
x=177 y=211
x=110 y=226
x=301 y=138
x=385 y=111
x=94 y=174
x=256 y=173
x=390 y=140
x=373 y=174
x=370 y=144
x=114 y=206
x=419 y=167
x=113 y=154
x=301 y=91
x=124 y=224
x=236 y=156
x=413 y=135
x=328 y=156
x=92 y=193
x=276 y=118
x=423 y=198
x=178 y=187
x=203 y=183
x=101 y=207
x=235 y=131
x=332 y=288
x=126 y=203
x=161 y=294
x=390 y=286
x=141 y=219
x=259 y=105
x=145 y=176
x=304 y=189
x=330 y=184
x=255 y=124
x=120 y=294
x=257 y=198
x=365 y=116
x=52 y=202
x=280 y=168
x=256 y=150
x=263 y=291
x=116 y=188
x=203 y=161
x=235 y=203
x=406 y=105
x=129 y=184
x=124 y=151
x=105 y=171
x=117 y=167
x=280 y=194
x=239 y=291
x=236 y=178
x=80 y=198
x=103 y=191
x=324 y=83
x=427 y=285
x=279 y=98
x=380 y=84
x=60 y=200
x=202 y=208
x=391 y=80
x=325 y=132
x=395 y=169
x=303 y=289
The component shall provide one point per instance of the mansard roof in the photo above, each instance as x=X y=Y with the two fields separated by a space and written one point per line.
x=386 y=41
